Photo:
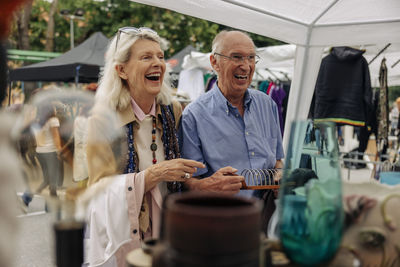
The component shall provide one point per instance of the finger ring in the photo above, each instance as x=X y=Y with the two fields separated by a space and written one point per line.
x=187 y=175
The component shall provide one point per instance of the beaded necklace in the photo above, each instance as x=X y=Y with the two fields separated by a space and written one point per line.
x=170 y=141
x=153 y=146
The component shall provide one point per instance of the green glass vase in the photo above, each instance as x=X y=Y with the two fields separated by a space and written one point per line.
x=310 y=200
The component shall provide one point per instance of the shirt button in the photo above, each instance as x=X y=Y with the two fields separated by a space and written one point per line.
x=130 y=188
x=142 y=208
x=247 y=133
x=134 y=231
x=237 y=115
x=252 y=153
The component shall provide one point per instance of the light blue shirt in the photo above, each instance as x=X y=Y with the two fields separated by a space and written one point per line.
x=213 y=132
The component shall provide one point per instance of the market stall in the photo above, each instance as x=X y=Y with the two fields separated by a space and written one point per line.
x=309 y=225
x=80 y=64
x=311 y=26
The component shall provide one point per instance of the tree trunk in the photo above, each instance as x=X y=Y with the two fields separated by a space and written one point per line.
x=50 y=27
x=23 y=18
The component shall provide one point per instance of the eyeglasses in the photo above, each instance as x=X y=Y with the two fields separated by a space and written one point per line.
x=237 y=58
x=132 y=31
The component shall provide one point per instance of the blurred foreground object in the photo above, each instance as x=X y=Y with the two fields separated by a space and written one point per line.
x=9 y=168
x=7 y=7
x=71 y=110
x=10 y=176
x=69 y=243
x=311 y=213
x=205 y=229
x=373 y=233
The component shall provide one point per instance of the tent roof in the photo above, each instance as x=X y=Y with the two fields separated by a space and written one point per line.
x=312 y=22
x=88 y=57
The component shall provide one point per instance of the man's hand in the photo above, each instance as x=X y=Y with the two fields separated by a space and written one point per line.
x=278 y=175
x=224 y=181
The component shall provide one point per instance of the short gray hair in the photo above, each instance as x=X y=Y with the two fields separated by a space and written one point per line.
x=218 y=41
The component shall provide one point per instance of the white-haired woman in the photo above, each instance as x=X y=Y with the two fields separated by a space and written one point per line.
x=127 y=210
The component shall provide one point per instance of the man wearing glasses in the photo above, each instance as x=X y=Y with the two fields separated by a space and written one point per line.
x=232 y=127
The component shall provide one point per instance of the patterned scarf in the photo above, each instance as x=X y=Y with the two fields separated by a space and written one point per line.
x=170 y=141
x=383 y=108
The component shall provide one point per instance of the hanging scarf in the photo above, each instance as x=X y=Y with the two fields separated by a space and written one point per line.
x=383 y=109
x=170 y=141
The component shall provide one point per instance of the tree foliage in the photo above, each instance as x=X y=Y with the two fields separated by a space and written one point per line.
x=394 y=93
x=107 y=16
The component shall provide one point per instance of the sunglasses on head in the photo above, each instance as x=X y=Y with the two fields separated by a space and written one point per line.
x=132 y=31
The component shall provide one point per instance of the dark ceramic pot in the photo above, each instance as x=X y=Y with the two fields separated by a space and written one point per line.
x=207 y=229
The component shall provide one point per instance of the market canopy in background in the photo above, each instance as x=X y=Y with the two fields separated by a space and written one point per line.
x=311 y=25
x=80 y=64
x=176 y=60
x=277 y=62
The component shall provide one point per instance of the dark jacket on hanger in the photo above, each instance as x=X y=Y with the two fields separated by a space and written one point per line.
x=343 y=91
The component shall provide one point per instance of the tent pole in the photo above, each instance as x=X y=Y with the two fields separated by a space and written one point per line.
x=380 y=52
x=358 y=23
x=394 y=64
x=273 y=74
x=307 y=60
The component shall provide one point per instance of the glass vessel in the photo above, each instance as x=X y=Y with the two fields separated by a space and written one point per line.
x=311 y=215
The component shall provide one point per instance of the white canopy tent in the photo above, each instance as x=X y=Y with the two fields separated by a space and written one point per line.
x=275 y=62
x=280 y=61
x=311 y=25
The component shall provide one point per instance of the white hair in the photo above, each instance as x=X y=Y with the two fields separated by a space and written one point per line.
x=216 y=44
x=112 y=91
x=219 y=39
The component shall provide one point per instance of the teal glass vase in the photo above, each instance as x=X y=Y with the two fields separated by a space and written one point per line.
x=310 y=198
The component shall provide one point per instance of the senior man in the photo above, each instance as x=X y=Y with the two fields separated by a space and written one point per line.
x=231 y=127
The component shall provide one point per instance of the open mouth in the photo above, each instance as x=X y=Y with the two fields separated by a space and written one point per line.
x=241 y=77
x=153 y=76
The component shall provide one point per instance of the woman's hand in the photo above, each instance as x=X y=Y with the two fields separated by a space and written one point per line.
x=170 y=170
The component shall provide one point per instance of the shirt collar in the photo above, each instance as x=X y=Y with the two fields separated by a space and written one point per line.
x=225 y=104
x=140 y=115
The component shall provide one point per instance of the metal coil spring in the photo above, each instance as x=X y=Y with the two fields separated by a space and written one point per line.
x=261 y=177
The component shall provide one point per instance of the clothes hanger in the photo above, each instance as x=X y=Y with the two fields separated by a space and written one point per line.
x=358 y=47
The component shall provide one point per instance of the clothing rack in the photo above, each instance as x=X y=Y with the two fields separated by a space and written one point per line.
x=276 y=78
x=281 y=72
x=286 y=76
x=380 y=52
x=355 y=153
x=273 y=74
x=394 y=64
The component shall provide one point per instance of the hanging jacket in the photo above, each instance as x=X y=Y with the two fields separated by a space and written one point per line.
x=343 y=91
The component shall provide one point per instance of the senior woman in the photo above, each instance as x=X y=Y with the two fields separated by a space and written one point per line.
x=127 y=208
